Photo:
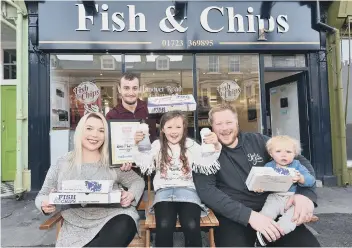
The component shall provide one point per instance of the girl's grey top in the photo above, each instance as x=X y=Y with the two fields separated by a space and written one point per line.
x=81 y=225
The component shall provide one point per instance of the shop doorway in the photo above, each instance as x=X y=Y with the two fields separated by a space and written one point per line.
x=8 y=133
x=287 y=106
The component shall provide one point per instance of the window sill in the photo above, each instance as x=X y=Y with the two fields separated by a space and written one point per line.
x=235 y=73
x=215 y=73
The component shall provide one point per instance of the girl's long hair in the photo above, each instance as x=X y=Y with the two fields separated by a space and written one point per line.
x=165 y=158
x=75 y=157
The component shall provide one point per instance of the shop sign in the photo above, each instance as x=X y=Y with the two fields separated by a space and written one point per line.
x=229 y=90
x=202 y=25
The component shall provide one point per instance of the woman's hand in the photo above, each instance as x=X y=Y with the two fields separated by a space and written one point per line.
x=138 y=137
x=212 y=138
x=126 y=198
x=48 y=208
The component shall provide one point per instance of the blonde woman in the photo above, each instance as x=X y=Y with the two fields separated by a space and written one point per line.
x=93 y=225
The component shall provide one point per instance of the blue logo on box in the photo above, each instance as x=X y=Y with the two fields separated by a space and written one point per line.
x=93 y=186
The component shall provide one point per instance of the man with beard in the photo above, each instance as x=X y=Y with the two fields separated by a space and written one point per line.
x=131 y=107
x=237 y=208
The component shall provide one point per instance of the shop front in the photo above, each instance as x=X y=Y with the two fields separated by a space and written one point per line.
x=271 y=69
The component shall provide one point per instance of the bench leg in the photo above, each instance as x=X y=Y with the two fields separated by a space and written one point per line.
x=211 y=238
x=147 y=238
x=58 y=228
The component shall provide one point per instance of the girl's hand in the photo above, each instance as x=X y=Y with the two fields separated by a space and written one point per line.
x=126 y=198
x=138 y=137
x=212 y=138
x=259 y=190
x=48 y=208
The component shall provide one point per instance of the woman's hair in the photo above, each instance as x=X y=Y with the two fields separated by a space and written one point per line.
x=75 y=157
x=164 y=145
x=284 y=140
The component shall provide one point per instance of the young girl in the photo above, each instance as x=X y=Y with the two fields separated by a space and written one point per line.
x=174 y=157
x=283 y=149
x=92 y=225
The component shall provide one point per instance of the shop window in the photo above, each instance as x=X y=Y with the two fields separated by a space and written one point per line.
x=255 y=64
x=162 y=63
x=213 y=64
x=240 y=89
x=162 y=76
x=78 y=85
x=9 y=63
x=234 y=64
x=346 y=54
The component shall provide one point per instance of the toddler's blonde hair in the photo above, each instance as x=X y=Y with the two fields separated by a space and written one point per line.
x=284 y=140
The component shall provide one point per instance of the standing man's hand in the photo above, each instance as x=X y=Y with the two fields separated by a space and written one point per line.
x=304 y=208
x=266 y=226
x=126 y=166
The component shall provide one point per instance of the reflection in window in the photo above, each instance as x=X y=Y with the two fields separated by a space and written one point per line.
x=213 y=63
x=9 y=64
x=81 y=84
x=162 y=75
x=283 y=61
x=162 y=63
x=107 y=62
x=240 y=89
x=234 y=63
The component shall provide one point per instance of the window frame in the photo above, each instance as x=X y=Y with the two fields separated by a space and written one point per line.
x=212 y=63
x=232 y=63
x=162 y=59
x=3 y=64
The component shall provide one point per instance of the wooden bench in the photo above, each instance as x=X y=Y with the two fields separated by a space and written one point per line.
x=207 y=222
x=146 y=226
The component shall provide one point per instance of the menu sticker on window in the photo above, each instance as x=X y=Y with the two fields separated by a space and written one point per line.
x=88 y=93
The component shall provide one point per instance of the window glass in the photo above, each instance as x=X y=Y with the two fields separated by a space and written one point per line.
x=9 y=64
x=346 y=53
x=162 y=75
x=283 y=61
x=213 y=63
x=236 y=83
x=234 y=63
x=80 y=84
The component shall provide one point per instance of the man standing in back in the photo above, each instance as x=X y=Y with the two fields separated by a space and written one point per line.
x=131 y=107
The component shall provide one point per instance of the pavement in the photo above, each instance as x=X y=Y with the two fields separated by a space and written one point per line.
x=20 y=221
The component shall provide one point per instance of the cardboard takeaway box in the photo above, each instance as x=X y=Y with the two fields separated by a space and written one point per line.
x=61 y=198
x=85 y=191
x=163 y=104
x=268 y=179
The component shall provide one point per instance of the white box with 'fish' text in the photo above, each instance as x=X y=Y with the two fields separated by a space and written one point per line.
x=84 y=198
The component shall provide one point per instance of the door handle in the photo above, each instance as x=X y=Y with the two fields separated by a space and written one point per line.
x=3 y=128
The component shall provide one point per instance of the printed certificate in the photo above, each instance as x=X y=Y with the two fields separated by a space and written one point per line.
x=121 y=140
